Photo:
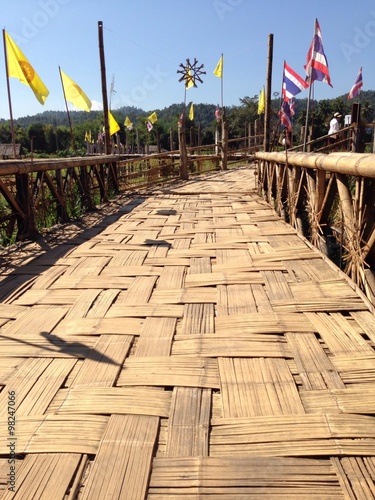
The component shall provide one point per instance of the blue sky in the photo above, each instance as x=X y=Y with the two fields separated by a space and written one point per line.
x=146 y=40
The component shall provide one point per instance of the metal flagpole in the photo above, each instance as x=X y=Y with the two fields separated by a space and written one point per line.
x=9 y=97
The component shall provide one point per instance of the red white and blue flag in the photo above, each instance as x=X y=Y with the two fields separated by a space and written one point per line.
x=316 y=66
x=217 y=114
x=285 y=116
x=292 y=106
x=293 y=84
x=356 y=89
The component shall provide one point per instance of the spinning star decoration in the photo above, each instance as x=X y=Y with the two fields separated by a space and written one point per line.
x=191 y=73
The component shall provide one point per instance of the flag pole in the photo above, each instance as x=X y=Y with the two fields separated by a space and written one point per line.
x=9 y=97
x=222 y=81
x=309 y=96
x=307 y=113
x=67 y=112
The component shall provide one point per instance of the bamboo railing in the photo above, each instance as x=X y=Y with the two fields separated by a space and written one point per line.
x=330 y=198
x=38 y=193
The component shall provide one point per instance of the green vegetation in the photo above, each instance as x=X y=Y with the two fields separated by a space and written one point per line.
x=48 y=133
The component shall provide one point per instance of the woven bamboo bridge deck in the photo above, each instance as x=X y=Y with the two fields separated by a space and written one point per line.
x=190 y=346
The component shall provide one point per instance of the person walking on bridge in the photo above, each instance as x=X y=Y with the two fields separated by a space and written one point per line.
x=334 y=127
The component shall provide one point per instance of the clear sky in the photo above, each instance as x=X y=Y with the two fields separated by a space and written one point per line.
x=146 y=40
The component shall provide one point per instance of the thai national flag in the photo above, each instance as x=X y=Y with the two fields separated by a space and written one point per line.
x=285 y=116
x=316 y=66
x=217 y=114
x=356 y=89
x=292 y=106
x=293 y=84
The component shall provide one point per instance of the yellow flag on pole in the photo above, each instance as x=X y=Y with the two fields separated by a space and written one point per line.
x=74 y=93
x=262 y=101
x=191 y=112
x=153 y=117
x=19 y=67
x=218 y=71
x=128 y=123
x=113 y=125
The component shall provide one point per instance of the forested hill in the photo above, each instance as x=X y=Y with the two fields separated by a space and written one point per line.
x=203 y=113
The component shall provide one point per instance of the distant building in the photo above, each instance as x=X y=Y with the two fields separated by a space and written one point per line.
x=7 y=151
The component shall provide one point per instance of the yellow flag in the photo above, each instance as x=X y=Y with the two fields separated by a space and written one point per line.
x=74 y=93
x=189 y=80
x=191 y=112
x=261 y=103
x=19 y=67
x=218 y=71
x=113 y=125
x=128 y=124
x=153 y=117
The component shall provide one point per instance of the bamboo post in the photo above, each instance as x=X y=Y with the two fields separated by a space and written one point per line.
x=267 y=110
x=138 y=142
x=184 y=172
x=104 y=89
x=224 y=142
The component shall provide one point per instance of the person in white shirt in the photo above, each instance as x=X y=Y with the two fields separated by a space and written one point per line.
x=334 y=127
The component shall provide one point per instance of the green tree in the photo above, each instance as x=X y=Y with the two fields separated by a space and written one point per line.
x=35 y=133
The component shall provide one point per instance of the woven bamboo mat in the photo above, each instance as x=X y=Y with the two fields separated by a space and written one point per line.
x=190 y=346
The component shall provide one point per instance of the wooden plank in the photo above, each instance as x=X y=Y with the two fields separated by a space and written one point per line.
x=48 y=297
x=197 y=318
x=58 y=434
x=338 y=335
x=44 y=476
x=195 y=295
x=263 y=323
x=83 y=303
x=87 y=282
x=35 y=321
x=144 y=310
x=102 y=303
x=235 y=299
x=303 y=435
x=366 y=321
x=211 y=345
x=103 y=362
x=227 y=278
x=281 y=475
x=122 y=465
x=46 y=346
x=189 y=423
x=252 y=387
x=99 y=326
x=170 y=371
x=314 y=367
x=156 y=337
x=109 y=400
x=139 y=291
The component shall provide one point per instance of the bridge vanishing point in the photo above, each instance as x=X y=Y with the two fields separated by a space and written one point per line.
x=190 y=345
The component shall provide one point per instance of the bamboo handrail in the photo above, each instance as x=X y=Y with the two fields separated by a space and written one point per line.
x=358 y=164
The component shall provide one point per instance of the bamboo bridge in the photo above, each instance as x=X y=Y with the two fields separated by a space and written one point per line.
x=192 y=343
